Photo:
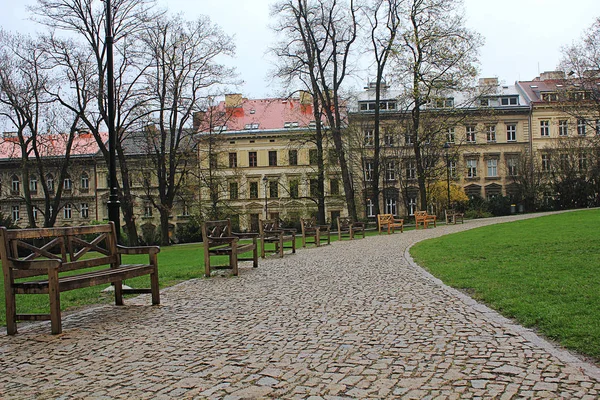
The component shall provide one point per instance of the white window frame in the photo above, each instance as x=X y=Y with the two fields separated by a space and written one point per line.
x=411 y=169
x=581 y=127
x=511 y=166
x=15 y=184
x=33 y=183
x=370 y=208
x=452 y=168
x=67 y=211
x=563 y=127
x=471 y=133
x=34 y=211
x=368 y=170
x=148 y=210
x=391 y=206
x=67 y=184
x=85 y=181
x=545 y=162
x=511 y=132
x=471 y=168
x=16 y=213
x=390 y=171
x=491 y=133
x=492 y=168
x=450 y=135
x=84 y=211
x=412 y=205
x=369 y=137
x=545 y=128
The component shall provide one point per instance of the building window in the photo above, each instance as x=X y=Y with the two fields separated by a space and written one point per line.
x=15 y=185
x=67 y=211
x=491 y=133
x=273 y=188
x=390 y=206
x=388 y=139
x=545 y=162
x=471 y=138
x=563 y=161
x=334 y=187
x=85 y=210
x=50 y=182
x=369 y=137
x=492 y=167
x=471 y=168
x=34 y=211
x=545 y=128
x=598 y=127
x=511 y=133
x=293 y=156
x=147 y=210
x=412 y=205
x=33 y=184
x=509 y=101
x=15 y=213
x=312 y=157
x=450 y=135
x=390 y=171
x=314 y=188
x=333 y=157
x=273 y=158
x=67 y=183
x=511 y=164
x=232 y=160
x=252 y=159
x=212 y=160
x=368 y=170
x=582 y=162
x=411 y=170
x=233 y=191
x=452 y=168
x=294 y=189
x=581 y=127
x=370 y=208
x=185 y=210
x=85 y=181
x=563 y=127
x=408 y=139
x=254 y=190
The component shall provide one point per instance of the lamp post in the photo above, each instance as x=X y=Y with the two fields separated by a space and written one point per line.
x=446 y=155
x=266 y=182
x=113 y=199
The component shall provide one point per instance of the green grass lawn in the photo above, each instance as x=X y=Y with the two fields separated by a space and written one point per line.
x=543 y=272
x=175 y=264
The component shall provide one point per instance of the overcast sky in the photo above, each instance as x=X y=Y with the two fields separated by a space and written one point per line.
x=522 y=37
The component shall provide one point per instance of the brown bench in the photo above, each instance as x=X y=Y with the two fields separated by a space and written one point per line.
x=310 y=229
x=453 y=215
x=219 y=240
x=389 y=222
x=46 y=253
x=270 y=231
x=422 y=218
x=348 y=227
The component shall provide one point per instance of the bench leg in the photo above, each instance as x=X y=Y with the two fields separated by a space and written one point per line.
x=119 y=293
x=254 y=255
x=54 y=294
x=11 y=309
x=206 y=263
x=233 y=259
x=154 y=281
x=317 y=238
x=281 y=246
x=293 y=244
x=262 y=248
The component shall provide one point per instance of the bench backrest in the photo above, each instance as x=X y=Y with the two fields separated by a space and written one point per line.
x=344 y=223
x=68 y=245
x=383 y=219
x=308 y=224
x=214 y=230
x=420 y=214
x=267 y=225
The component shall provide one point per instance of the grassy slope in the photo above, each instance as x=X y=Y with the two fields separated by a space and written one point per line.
x=544 y=272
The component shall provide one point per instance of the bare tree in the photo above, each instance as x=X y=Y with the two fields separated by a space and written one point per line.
x=183 y=59
x=437 y=56
x=384 y=18
x=316 y=50
x=84 y=20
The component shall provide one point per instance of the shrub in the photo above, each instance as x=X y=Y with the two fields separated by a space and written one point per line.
x=190 y=231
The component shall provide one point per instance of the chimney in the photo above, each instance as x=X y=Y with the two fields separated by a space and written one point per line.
x=549 y=75
x=233 y=100
x=305 y=97
x=488 y=81
x=198 y=119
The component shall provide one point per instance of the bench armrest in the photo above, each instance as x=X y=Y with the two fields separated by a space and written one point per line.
x=35 y=264
x=222 y=240
x=138 y=249
x=361 y=224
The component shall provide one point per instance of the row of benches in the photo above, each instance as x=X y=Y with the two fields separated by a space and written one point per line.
x=91 y=256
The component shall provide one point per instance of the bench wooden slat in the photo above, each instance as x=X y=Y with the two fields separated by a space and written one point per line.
x=219 y=240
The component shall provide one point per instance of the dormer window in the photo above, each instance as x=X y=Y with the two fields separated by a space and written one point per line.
x=550 y=96
x=253 y=125
x=509 y=101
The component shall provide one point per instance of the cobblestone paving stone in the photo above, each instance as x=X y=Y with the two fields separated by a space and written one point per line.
x=351 y=320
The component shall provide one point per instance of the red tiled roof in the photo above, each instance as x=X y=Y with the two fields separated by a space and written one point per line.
x=259 y=114
x=53 y=145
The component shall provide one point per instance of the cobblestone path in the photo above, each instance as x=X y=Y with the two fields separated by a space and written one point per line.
x=351 y=320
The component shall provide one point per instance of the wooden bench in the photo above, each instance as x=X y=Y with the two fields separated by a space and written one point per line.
x=422 y=218
x=348 y=227
x=389 y=222
x=310 y=229
x=46 y=253
x=270 y=231
x=219 y=240
x=453 y=215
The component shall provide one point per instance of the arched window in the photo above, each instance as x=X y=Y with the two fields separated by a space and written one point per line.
x=33 y=183
x=68 y=183
x=50 y=182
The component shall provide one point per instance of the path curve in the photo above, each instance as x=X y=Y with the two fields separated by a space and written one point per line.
x=356 y=319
